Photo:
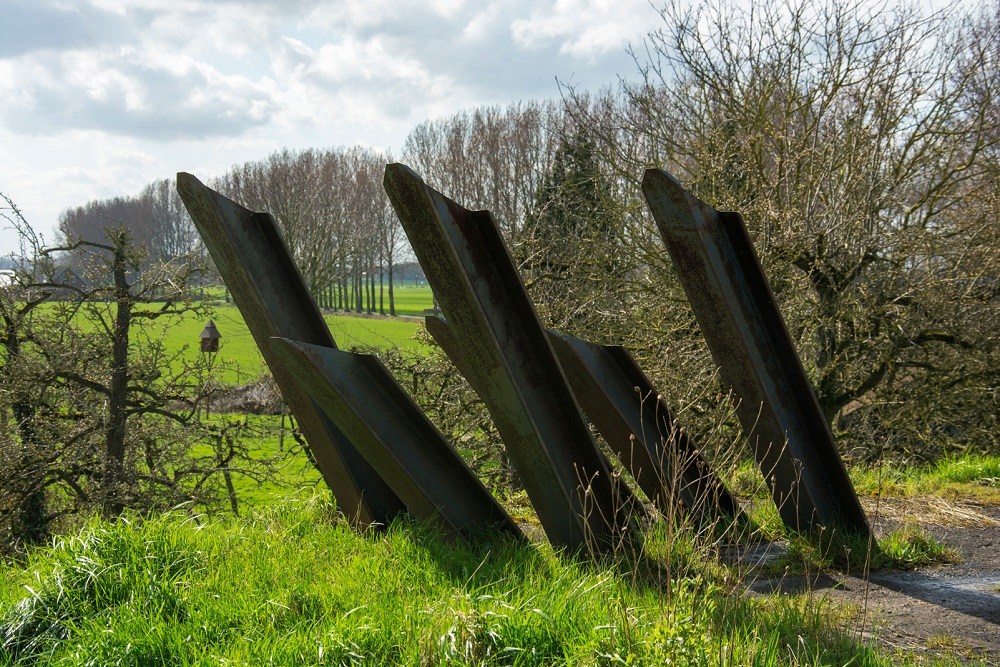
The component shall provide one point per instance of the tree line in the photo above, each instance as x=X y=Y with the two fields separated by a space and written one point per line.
x=330 y=206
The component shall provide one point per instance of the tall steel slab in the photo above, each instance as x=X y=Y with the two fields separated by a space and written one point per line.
x=266 y=285
x=485 y=302
x=445 y=337
x=739 y=317
x=623 y=406
x=402 y=445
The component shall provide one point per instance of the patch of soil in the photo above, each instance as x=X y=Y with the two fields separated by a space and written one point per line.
x=259 y=398
x=946 y=609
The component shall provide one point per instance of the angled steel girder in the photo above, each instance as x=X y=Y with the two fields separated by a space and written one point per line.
x=739 y=317
x=624 y=407
x=408 y=452
x=270 y=293
x=485 y=302
x=620 y=402
x=445 y=337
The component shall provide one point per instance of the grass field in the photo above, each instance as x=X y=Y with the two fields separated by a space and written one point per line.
x=293 y=585
x=411 y=300
x=293 y=473
x=239 y=360
x=237 y=346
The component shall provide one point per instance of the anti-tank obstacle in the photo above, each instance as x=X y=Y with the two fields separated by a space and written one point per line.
x=382 y=457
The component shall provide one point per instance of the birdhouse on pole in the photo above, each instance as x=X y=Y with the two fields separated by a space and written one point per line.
x=210 y=338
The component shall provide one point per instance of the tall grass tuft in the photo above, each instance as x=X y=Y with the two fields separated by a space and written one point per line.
x=108 y=568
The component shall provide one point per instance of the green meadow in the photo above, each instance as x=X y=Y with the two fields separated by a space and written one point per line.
x=240 y=361
x=411 y=300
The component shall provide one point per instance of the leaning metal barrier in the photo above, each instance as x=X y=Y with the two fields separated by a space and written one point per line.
x=619 y=401
x=739 y=317
x=358 y=394
x=445 y=337
x=637 y=424
x=481 y=294
x=270 y=293
x=380 y=455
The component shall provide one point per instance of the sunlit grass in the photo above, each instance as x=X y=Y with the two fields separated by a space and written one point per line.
x=411 y=300
x=291 y=470
x=968 y=477
x=295 y=585
x=238 y=360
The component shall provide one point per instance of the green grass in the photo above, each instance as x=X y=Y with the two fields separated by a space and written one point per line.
x=912 y=546
x=239 y=361
x=295 y=586
x=293 y=472
x=902 y=549
x=237 y=347
x=411 y=300
x=969 y=476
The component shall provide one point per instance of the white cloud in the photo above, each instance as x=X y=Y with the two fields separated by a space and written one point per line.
x=98 y=97
x=585 y=28
x=128 y=93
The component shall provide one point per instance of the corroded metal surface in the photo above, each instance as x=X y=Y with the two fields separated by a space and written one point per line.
x=485 y=302
x=445 y=338
x=408 y=452
x=737 y=313
x=637 y=424
x=270 y=293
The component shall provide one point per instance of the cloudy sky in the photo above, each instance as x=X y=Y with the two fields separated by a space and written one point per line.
x=99 y=97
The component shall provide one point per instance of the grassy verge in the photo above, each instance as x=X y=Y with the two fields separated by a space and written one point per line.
x=293 y=586
x=969 y=477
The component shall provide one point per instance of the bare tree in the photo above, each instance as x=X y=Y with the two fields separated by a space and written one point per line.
x=102 y=414
x=489 y=157
x=155 y=218
x=853 y=139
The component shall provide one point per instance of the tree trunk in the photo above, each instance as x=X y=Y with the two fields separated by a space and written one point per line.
x=392 y=302
x=381 y=292
x=370 y=288
x=114 y=465
x=358 y=295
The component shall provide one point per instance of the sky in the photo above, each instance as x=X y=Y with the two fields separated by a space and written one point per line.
x=100 y=97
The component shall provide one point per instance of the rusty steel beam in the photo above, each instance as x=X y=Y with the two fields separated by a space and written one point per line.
x=739 y=317
x=269 y=291
x=637 y=424
x=402 y=445
x=482 y=296
x=445 y=337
